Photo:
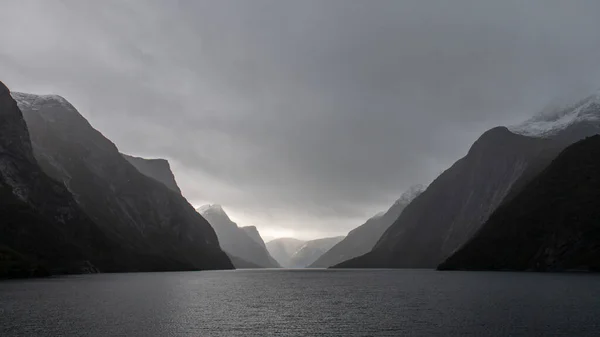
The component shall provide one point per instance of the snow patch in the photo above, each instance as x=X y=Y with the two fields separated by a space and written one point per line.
x=549 y=124
x=36 y=102
x=215 y=208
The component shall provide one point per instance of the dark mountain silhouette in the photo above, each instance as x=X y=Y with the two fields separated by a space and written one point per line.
x=42 y=229
x=235 y=240
x=158 y=169
x=363 y=238
x=551 y=225
x=494 y=171
x=283 y=249
x=459 y=201
x=155 y=228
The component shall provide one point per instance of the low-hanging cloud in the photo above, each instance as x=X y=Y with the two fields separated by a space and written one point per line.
x=305 y=116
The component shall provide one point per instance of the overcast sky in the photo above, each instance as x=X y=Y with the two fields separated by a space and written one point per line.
x=301 y=117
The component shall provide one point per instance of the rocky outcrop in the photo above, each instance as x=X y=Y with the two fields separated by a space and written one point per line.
x=551 y=225
x=253 y=233
x=235 y=240
x=155 y=228
x=158 y=169
x=363 y=238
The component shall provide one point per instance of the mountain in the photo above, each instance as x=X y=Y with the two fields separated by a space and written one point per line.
x=282 y=250
x=551 y=225
x=455 y=205
x=554 y=122
x=158 y=169
x=253 y=233
x=240 y=263
x=311 y=250
x=155 y=228
x=495 y=170
x=363 y=238
x=42 y=229
x=235 y=240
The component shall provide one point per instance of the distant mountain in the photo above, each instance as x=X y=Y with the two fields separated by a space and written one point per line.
x=551 y=225
x=42 y=231
x=155 y=228
x=283 y=249
x=158 y=169
x=311 y=250
x=363 y=238
x=235 y=240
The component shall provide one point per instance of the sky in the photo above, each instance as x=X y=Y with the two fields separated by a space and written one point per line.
x=303 y=118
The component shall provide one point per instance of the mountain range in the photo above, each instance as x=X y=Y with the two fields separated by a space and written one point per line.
x=363 y=238
x=496 y=169
x=522 y=198
x=229 y=235
x=243 y=243
x=282 y=250
x=294 y=253
x=152 y=227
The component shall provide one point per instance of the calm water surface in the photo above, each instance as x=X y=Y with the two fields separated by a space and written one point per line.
x=303 y=303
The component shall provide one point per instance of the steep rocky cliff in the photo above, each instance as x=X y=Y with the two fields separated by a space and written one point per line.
x=158 y=169
x=156 y=226
x=459 y=201
x=42 y=229
x=551 y=225
x=495 y=170
x=235 y=240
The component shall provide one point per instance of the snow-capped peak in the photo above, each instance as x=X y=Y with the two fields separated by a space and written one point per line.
x=210 y=208
x=35 y=102
x=547 y=124
x=410 y=194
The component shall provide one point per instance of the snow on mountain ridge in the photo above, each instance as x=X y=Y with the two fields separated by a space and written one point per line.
x=411 y=193
x=548 y=124
x=34 y=102
x=213 y=210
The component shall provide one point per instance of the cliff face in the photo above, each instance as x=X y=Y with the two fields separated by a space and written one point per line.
x=158 y=169
x=42 y=229
x=459 y=201
x=551 y=225
x=156 y=228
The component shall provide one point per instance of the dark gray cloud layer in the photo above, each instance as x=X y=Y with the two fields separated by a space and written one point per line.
x=304 y=116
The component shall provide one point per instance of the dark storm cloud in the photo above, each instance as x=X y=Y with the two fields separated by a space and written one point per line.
x=305 y=115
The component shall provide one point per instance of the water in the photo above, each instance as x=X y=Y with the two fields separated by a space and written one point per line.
x=303 y=303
